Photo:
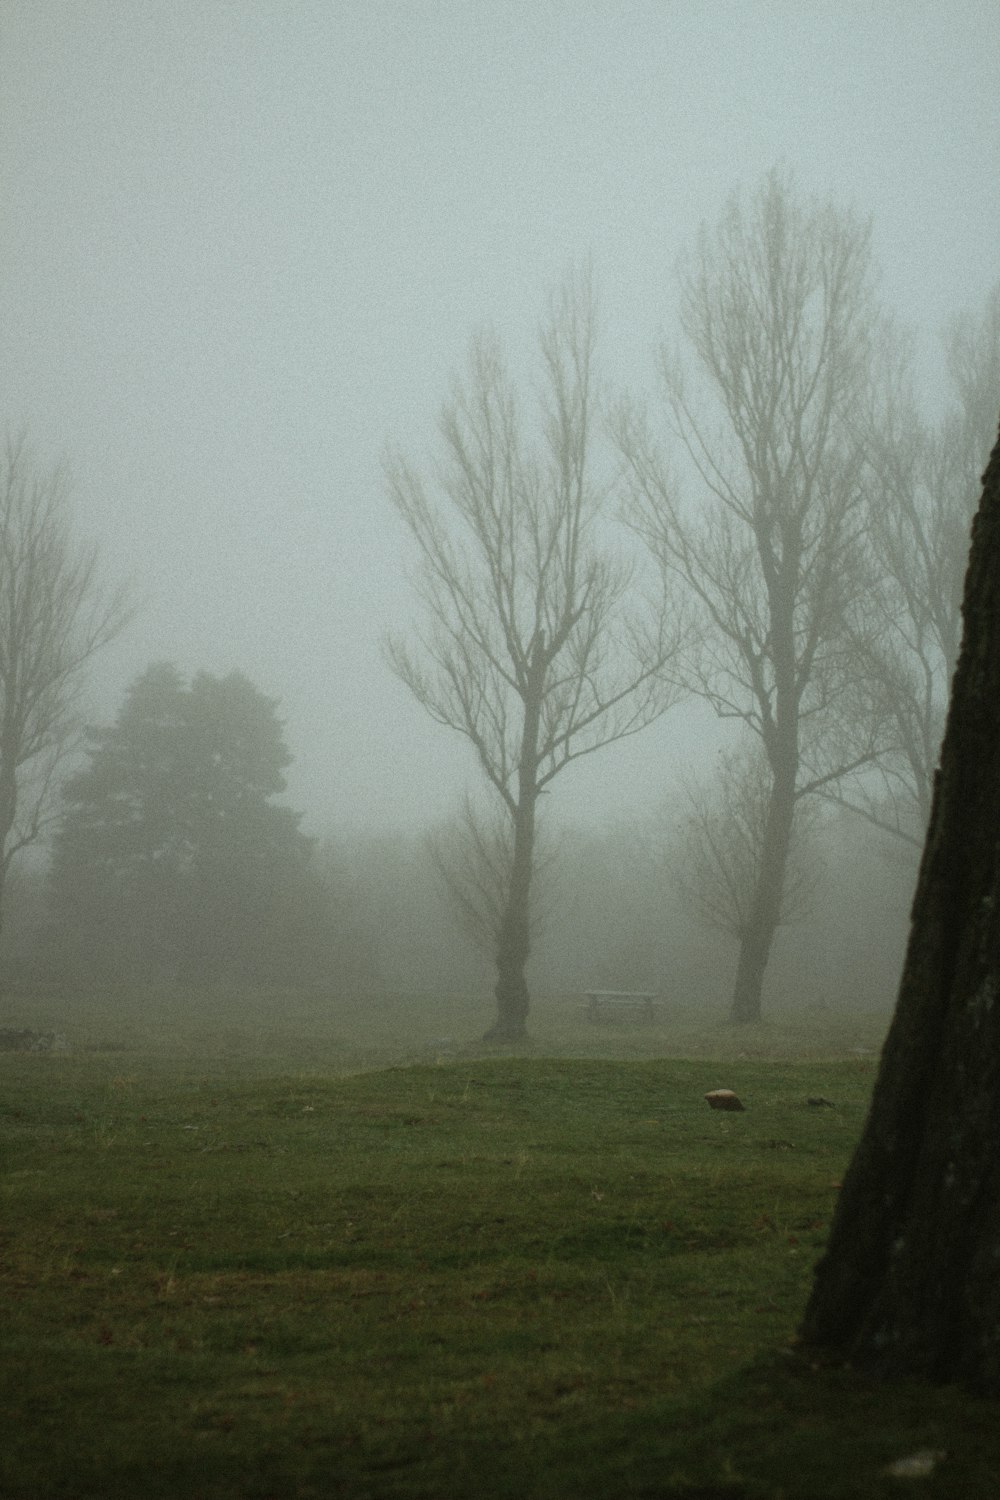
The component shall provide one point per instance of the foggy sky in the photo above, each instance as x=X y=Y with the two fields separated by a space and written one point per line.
x=245 y=242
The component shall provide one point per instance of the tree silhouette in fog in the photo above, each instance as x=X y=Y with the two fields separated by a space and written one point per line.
x=925 y=483
x=714 y=857
x=172 y=859
x=534 y=645
x=54 y=617
x=778 y=308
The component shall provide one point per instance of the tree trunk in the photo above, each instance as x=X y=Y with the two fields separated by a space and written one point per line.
x=3 y=914
x=8 y=812
x=514 y=939
x=909 y=1284
x=765 y=909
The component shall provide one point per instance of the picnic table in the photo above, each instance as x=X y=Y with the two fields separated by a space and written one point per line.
x=607 y=1002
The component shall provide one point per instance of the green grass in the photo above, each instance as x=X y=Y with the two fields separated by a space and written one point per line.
x=490 y=1276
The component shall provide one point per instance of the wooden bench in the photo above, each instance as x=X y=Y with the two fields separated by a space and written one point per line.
x=607 y=1002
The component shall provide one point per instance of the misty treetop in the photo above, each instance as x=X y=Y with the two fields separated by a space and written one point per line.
x=55 y=617
x=923 y=478
x=179 y=765
x=171 y=858
x=780 y=318
x=822 y=556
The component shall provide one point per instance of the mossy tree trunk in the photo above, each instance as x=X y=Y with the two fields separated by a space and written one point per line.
x=910 y=1283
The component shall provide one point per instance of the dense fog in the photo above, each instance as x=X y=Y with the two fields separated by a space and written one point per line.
x=615 y=919
x=245 y=253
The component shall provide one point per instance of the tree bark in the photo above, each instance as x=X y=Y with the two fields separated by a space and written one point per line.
x=909 y=1285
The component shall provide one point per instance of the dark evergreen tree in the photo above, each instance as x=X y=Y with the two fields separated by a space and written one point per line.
x=172 y=861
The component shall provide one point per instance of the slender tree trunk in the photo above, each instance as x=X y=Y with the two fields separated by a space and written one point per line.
x=909 y=1284
x=781 y=742
x=514 y=937
x=765 y=909
x=8 y=812
x=3 y=914
x=514 y=940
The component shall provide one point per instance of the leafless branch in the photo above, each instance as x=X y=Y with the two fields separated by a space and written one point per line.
x=54 y=617
x=527 y=612
x=537 y=644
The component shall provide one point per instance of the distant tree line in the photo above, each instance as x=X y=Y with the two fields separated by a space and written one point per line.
x=611 y=913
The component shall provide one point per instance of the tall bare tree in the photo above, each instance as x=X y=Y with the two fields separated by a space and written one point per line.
x=472 y=855
x=533 y=647
x=909 y=1285
x=54 y=616
x=778 y=308
x=715 y=861
x=924 y=482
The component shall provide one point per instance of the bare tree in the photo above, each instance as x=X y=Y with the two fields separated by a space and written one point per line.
x=473 y=856
x=908 y=1285
x=54 y=616
x=779 y=311
x=716 y=860
x=533 y=648
x=924 y=484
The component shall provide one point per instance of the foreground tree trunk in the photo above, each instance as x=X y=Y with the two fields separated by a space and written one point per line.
x=910 y=1283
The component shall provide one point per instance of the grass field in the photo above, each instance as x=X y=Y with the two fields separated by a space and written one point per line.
x=297 y=1248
